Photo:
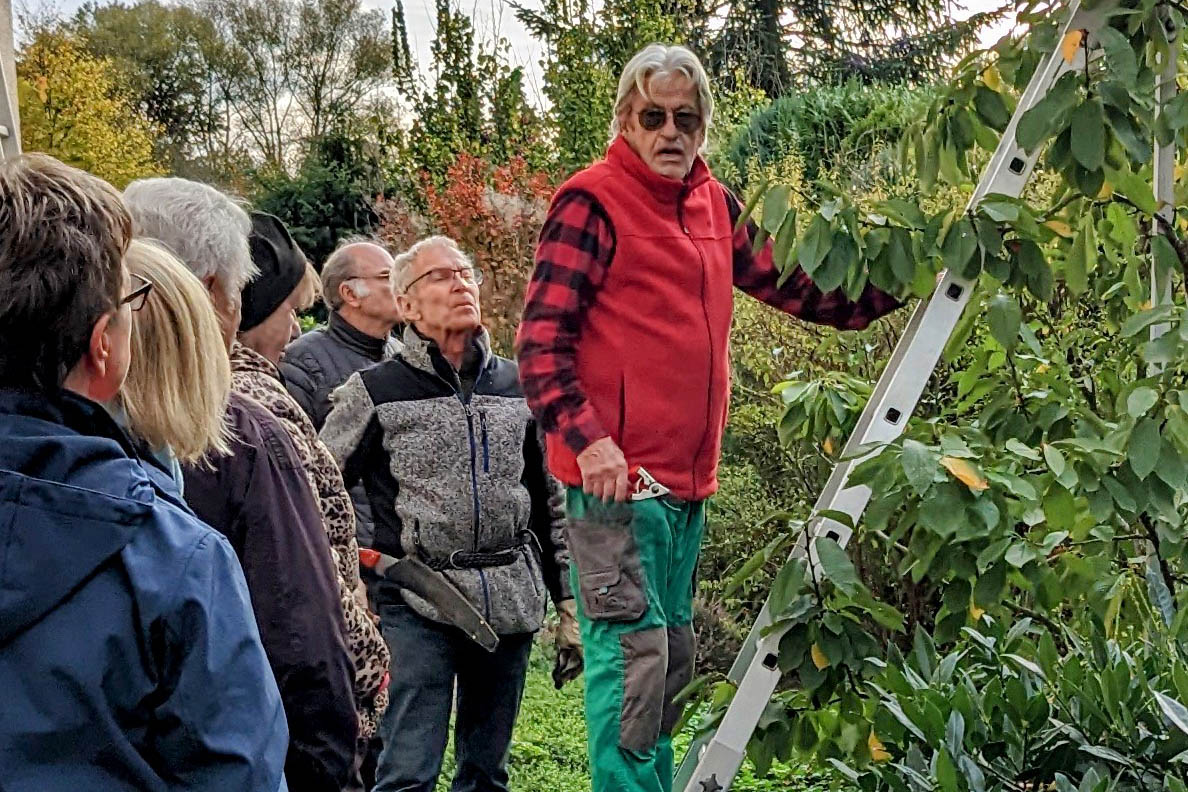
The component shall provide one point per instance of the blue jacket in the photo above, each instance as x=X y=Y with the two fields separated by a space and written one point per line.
x=129 y=656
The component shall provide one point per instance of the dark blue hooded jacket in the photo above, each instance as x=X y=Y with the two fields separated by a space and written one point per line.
x=129 y=655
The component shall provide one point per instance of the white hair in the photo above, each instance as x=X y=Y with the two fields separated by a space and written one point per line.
x=359 y=287
x=203 y=227
x=403 y=263
x=660 y=62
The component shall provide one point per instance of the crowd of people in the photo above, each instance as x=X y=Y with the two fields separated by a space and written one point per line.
x=236 y=557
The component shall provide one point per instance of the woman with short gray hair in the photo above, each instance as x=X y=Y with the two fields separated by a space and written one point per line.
x=204 y=228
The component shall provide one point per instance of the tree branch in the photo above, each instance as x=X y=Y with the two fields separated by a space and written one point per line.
x=1169 y=579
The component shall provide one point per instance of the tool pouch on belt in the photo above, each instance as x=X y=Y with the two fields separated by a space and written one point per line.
x=610 y=576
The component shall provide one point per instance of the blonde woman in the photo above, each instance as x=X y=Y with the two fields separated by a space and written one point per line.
x=174 y=400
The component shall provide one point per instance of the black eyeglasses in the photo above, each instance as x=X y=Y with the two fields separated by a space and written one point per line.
x=139 y=295
x=686 y=121
x=443 y=274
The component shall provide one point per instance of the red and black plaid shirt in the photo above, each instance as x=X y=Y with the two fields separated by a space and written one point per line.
x=577 y=245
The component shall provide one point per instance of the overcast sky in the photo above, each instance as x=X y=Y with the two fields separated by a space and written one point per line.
x=491 y=17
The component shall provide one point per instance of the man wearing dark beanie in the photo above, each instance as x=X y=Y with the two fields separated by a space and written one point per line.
x=269 y=321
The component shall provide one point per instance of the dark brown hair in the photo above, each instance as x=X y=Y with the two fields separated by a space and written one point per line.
x=63 y=234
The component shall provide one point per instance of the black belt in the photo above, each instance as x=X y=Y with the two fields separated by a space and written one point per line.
x=481 y=559
x=466 y=559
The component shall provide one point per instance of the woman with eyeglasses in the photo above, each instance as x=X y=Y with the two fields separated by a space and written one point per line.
x=174 y=400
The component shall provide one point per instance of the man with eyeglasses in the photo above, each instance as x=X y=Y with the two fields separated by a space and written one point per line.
x=624 y=357
x=357 y=288
x=451 y=461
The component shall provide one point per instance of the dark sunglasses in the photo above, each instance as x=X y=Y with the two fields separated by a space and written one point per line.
x=139 y=295
x=686 y=121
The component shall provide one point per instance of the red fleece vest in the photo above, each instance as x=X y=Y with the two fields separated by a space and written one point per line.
x=653 y=358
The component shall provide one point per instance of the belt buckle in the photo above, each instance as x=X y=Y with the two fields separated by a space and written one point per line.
x=646 y=486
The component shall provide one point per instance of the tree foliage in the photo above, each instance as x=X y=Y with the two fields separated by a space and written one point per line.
x=472 y=101
x=286 y=70
x=330 y=196
x=1040 y=502
x=159 y=53
x=72 y=106
x=587 y=46
x=494 y=212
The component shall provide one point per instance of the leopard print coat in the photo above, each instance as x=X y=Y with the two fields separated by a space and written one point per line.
x=256 y=377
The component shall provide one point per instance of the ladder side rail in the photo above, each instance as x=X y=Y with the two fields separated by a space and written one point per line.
x=1163 y=173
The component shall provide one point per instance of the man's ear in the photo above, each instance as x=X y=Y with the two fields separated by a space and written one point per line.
x=92 y=366
x=99 y=350
x=407 y=309
x=347 y=294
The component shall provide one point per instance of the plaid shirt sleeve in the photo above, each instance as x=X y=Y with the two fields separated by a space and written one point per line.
x=575 y=249
x=757 y=275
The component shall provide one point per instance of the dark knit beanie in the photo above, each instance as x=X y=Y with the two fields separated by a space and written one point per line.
x=281 y=264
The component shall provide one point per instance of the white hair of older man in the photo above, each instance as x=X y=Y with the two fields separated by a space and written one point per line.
x=403 y=263
x=205 y=228
x=660 y=62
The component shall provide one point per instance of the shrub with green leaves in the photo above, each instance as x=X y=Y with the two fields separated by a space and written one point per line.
x=1037 y=502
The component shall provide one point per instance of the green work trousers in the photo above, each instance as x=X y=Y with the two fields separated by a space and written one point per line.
x=633 y=571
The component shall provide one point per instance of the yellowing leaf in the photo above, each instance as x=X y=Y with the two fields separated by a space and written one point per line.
x=1060 y=227
x=992 y=78
x=1106 y=191
x=827 y=446
x=965 y=473
x=1070 y=44
x=819 y=658
x=975 y=612
x=1178 y=172
x=1042 y=368
x=878 y=751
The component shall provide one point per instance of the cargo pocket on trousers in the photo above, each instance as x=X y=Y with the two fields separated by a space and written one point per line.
x=645 y=664
x=610 y=575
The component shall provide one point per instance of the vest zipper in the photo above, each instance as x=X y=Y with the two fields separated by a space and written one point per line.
x=473 y=467
x=474 y=489
x=709 y=333
x=486 y=447
x=456 y=384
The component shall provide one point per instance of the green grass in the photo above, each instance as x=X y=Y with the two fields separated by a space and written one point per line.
x=549 y=747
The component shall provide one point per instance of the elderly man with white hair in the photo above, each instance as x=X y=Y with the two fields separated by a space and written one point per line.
x=259 y=498
x=451 y=460
x=624 y=358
